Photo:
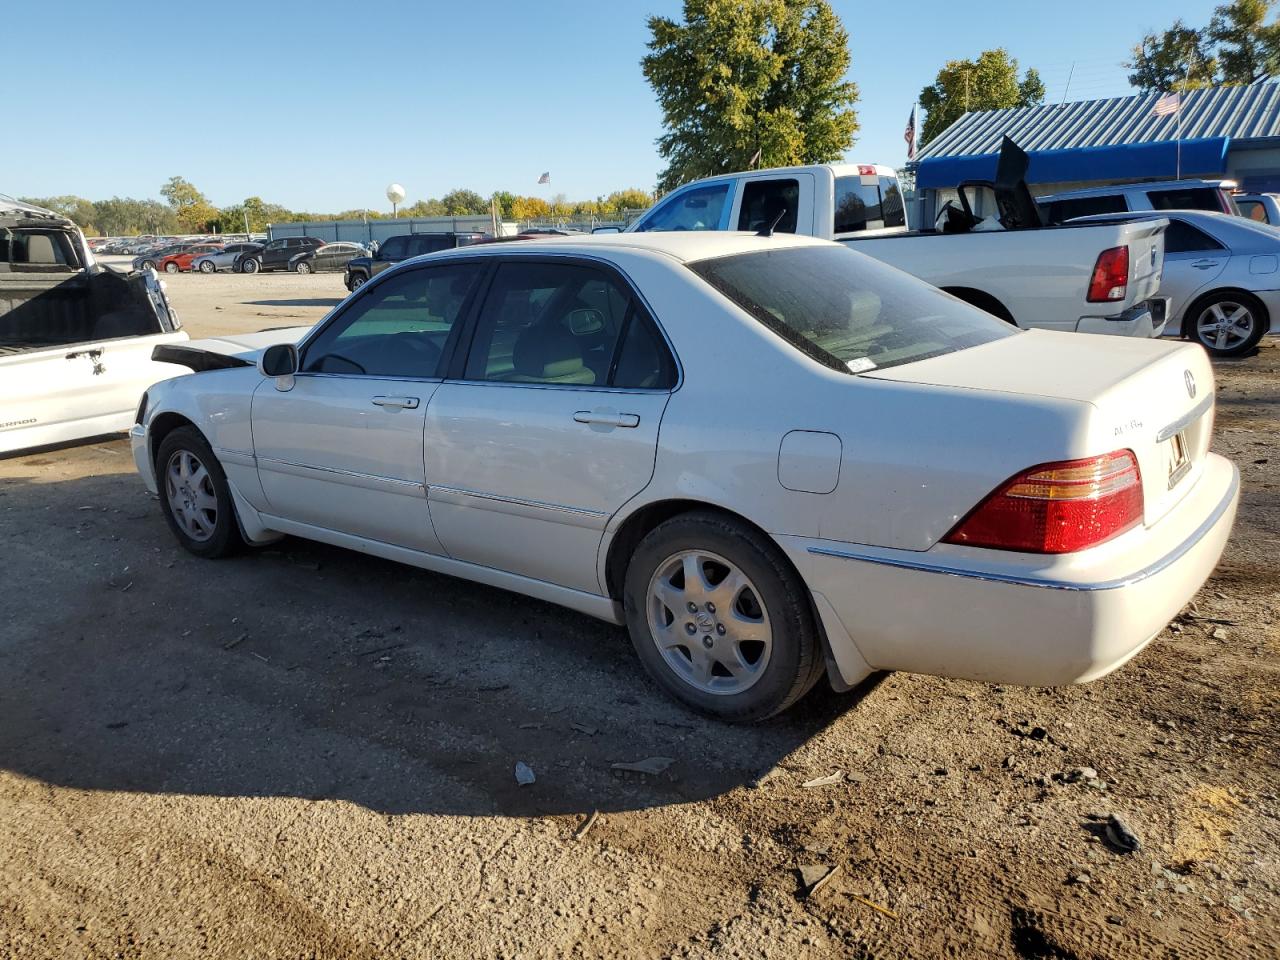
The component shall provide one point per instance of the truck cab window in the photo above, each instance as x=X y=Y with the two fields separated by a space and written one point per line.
x=699 y=208
x=763 y=200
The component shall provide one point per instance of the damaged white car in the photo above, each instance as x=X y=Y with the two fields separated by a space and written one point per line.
x=768 y=456
x=76 y=338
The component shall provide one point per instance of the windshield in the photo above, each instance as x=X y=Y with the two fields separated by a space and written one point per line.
x=846 y=310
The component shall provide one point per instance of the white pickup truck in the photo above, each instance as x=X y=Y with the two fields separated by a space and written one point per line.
x=1073 y=277
x=76 y=338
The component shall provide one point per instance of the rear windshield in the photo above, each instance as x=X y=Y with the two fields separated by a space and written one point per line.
x=846 y=310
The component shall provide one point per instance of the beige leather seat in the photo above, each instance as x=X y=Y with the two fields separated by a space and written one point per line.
x=548 y=353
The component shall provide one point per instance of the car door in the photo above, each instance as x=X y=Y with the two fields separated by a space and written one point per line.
x=391 y=252
x=339 y=445
x=274 y=253
x=551 y=424
x=1192 y=260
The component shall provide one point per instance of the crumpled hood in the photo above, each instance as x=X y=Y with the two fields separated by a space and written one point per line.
x=233 y=350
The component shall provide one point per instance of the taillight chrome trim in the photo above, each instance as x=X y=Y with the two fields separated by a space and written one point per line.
x=1028 y=580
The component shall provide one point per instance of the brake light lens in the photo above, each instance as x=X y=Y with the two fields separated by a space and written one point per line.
x=1058 y=507
x=866 y=170
x=1110 y=277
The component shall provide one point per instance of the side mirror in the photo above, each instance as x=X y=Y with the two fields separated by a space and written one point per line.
x=607 y=230
x=279 y=361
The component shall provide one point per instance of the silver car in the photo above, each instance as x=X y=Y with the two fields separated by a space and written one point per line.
x=1221 y=277
x=223 y=259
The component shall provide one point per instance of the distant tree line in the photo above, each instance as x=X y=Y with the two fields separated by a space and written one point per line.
x=1237 y=46
x=186 y=210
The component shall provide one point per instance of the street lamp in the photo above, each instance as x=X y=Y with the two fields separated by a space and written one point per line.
x=395 y=193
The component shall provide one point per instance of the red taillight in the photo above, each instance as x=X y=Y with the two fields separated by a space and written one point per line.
x=866 y=170
x=1058 y=507
x=1110 y=276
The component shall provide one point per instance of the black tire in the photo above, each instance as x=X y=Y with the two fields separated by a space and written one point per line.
x=206 y=266
x=302 y=267
x=357 y=281
x=1260 y=320
x=148 y=264
x=224 y=538
x=172 y=267
x=795 y=660
x=250 y=265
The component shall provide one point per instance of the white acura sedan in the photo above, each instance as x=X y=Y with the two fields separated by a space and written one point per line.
x=768 y=456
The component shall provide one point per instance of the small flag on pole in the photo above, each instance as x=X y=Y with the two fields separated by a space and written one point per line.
x=909 y=134
x=545 y=178
x=1169 y=104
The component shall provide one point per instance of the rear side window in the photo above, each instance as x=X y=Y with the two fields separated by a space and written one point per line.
x=868 y=203
x=698 y=208
x=1187 y=198
x=764 y=200
x=565 y=324
x=846 y=310
x=427 y=244
x=1253 y=209
x=1181 y=237
x=1062 y=210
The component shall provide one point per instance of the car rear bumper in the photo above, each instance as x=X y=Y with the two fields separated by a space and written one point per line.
x=1016 y=618
x=1145 y=319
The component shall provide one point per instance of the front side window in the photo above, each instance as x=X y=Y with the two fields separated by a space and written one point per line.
x=567 y=324
x=698 y=208
x=428 y=244
x=764 y=200
x=892 y=209
x=400 y=328
x=846 y=310
x=394 y=248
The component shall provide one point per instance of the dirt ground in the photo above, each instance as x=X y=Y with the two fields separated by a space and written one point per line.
x=307 y=753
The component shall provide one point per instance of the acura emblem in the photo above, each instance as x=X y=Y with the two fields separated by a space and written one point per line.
x=1191 y=383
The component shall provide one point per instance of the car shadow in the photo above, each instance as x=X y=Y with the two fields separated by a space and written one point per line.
x=298 y=302
x=310 y=671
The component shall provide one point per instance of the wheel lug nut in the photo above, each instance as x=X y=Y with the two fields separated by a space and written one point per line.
x=711 y=608
x=708 y=642
x=720 y=629
x=690 y=629
x=693 y=607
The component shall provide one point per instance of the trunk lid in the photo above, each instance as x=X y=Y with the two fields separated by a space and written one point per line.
x=1150 y=397
x=1145 y=240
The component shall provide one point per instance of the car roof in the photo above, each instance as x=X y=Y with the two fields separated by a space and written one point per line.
x=1124 y=187
x=1240 y=233
x=682 y=246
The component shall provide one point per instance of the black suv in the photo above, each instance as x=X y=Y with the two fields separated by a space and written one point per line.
x=392 y=250
x=275 y=254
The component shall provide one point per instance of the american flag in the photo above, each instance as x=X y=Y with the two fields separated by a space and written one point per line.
x=1168 y=104
x=545 y=178
x=909 y=135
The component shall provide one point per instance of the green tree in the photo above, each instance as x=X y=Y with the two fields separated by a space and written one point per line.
x=1180 y=58
x=1248 y=48
x=424 y=208
x=629 y=199
x=1237 y=47
x=505 y=199
x=988 y=83
x=741 y=77
x=461 y=203
x=530 y=208
x=193 y=211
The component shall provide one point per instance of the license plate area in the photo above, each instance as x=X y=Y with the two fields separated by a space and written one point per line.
x=1178 y=457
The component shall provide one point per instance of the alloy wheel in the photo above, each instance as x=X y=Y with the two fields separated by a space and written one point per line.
x=709 y=622
x=1225 y=325
x=192 y=500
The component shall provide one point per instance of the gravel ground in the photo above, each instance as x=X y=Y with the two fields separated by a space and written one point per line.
x=304 y=752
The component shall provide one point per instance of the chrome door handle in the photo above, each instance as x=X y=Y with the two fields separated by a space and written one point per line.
x=1205 y=264
x=405 y=403
x=608 y=419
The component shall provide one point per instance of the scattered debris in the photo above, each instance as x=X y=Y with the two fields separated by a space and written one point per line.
x=765 y=777
x=875 y=906
x=586 y=728
x=650 y=765
x=1219 y=634
x=1077 y=774
x=484 y=688
x=1120 y=836
x=231 y=644
x=586 y=825
x=829 y=780
x=125 y=588
x=1080 y=879
x=390 y=646
x=117 y=724
x=262 y=658
x=815 y=876
x=524 y=773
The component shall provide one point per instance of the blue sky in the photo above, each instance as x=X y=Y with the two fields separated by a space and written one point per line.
x=318 y=105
